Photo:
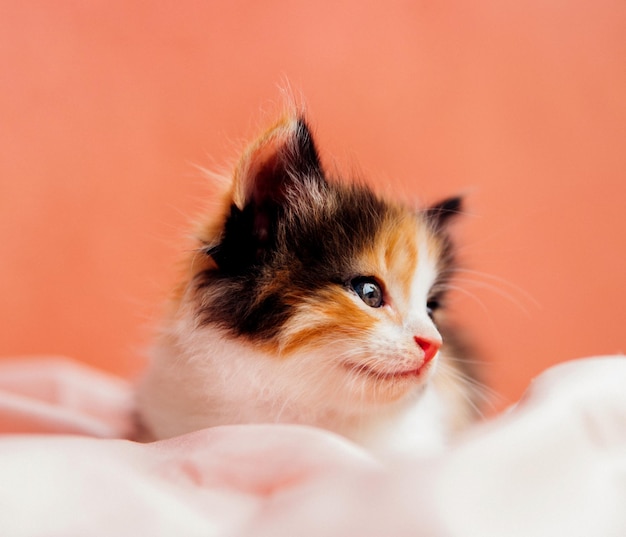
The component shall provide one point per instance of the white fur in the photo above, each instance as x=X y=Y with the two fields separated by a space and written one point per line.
x=202 y=377
x=233 y=383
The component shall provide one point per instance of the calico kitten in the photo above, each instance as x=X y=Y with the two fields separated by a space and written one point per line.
x=313 y=301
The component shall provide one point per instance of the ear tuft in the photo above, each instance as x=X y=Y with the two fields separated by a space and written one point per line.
x=304 y=153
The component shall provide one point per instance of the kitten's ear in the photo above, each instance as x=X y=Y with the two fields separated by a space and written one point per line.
x=441 y=213
x=280 y=161
x=281 y=168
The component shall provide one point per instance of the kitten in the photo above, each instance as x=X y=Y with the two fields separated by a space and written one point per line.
x=311 y=301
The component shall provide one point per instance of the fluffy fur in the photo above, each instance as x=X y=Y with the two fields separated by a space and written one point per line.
x=311 y=300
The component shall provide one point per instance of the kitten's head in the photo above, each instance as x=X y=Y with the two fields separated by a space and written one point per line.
x=333 y=288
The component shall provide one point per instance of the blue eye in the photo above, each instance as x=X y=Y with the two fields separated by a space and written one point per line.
x=368 y=290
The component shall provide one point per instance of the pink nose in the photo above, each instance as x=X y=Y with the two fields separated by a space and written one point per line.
x=429 y=347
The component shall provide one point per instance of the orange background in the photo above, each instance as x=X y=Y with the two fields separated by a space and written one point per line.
x=105 y=107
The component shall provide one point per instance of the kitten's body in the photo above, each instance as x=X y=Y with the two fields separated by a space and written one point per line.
x=310 y=301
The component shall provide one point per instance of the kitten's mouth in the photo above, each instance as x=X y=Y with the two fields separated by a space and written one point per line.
x=388 y=375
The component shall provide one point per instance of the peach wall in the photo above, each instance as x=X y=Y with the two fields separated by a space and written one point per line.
x=106 y=106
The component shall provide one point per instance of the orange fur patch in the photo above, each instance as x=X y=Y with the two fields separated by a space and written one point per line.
x=324 y=318
x=395 y=253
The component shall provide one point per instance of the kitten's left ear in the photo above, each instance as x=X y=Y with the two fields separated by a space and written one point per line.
x=441 y=213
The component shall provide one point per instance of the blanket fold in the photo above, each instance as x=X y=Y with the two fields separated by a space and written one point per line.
x=553 y=465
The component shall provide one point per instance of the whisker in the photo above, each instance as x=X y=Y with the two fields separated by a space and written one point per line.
x=480 y=390
x=454 y=273
x=500 y=292
x=500 y=280
x=467 y=293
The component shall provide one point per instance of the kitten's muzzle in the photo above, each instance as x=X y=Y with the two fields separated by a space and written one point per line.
x=429 y=346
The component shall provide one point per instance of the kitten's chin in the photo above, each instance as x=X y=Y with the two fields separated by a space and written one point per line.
x=377 y=386
x=412 y=373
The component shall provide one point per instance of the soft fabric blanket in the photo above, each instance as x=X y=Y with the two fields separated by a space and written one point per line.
x=554 y=465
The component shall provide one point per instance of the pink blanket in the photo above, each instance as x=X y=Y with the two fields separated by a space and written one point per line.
x=554 y=465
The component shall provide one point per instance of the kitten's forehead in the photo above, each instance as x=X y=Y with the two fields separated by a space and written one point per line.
x=405 y=256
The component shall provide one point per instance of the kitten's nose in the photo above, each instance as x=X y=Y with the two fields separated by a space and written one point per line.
x=429 y=346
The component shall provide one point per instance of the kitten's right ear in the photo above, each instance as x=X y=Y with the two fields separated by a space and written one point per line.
x=279 y=169
x=281 y=160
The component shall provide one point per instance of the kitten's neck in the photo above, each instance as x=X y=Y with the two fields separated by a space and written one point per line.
x=188 y=389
